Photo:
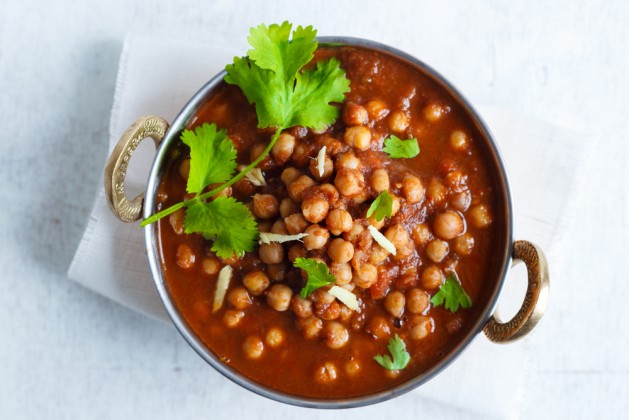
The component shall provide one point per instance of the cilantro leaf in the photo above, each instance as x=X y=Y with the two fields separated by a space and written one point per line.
x=452 y=294
x=227 y=221
x=381 y=207
x=270 y=78
x=318 y=275
x=212 y=156
x=398 y=148
x=272 y=50
x=401 y=358
x=314 y=90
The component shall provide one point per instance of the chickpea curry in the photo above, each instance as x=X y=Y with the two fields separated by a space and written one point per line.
x=375 y=253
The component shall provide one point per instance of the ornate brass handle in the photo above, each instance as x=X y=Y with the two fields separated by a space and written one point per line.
x=116 y=169
x=535 y=300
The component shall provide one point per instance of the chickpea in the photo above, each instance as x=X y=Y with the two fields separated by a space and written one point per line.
x=360 y=198
x=376 y=109
x=184 y=169
x=395 y=207
x=456 y=181
x=256 y=151
x=378 y=328
x=211 y=265
x=365 y=276
x=340 y=251
x=348 y=161
x=398 y=236
x=301 y=307
x=232 y=318
x=296 y=223
x=296 y=188
x=288 y=207
x=380 y=180
x=358 y=137
x=176 y=221
x=332 y=145
x=416 y=301
x=394 y=303
x=283 y=148
x=421 y=327
x=354 y=114
x=461 y=201
x=326 y=373
x=279 y=297
x=459 y=141
x=349 y=182
x=433 y=112
x=436 y=191
x=317 y=237
x=437 y=250
x=315 y=208
x=342 y=272
x=239 y=298
x=310 y=327
x=339 y=221
x=265 y=206
x=329 y=311
x=464 y=244
x=302 y=154
x=253 y=347
x=480 y=216
x=398 y=121
x=274 y=337
x=328 y=168
x=354 y=233
x=432 y=277
x=421 y=234
x=378 y=224
x=335 y=335
x=265 y=225
x=352 y=367
x=256 y=282
x=296 y=251
x=322 y=297
x=272 y=253
x=328 y=191
x=378 y=255
x=279 y=227
x=185 y=257
x=276 y=272
x=290 y=175
x=412 y=189
x=448 y=225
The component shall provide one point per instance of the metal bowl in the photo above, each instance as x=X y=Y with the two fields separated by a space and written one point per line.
x=164 y=135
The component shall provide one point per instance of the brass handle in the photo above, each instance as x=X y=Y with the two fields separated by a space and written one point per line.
x=535 y=300
x=116 y=169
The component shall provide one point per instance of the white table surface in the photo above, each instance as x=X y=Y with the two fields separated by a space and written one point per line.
x=68 y=353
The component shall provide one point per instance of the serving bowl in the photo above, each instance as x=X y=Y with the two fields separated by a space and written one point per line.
x=165 y=135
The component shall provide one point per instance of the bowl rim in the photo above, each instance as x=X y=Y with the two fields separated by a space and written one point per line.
x=153 y=254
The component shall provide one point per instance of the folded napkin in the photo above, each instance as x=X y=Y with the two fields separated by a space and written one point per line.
x=159 y=77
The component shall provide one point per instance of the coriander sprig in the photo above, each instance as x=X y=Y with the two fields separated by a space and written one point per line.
x=285 y=95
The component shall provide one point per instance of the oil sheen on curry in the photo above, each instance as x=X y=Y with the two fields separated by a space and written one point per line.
x=446 y=221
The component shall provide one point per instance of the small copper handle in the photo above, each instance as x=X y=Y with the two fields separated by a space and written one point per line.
x=116 y=169
x=535 y=300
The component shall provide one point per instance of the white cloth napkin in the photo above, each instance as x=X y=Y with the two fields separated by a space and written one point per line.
x=159 y=76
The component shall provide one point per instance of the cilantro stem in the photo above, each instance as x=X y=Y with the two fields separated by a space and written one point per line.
x=157 y=216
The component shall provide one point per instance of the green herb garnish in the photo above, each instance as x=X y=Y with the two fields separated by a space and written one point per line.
x=452 y=294
x=271 y=77
x=398 y=148
x=381 y=207
x=318 y=275
x=401 y=358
